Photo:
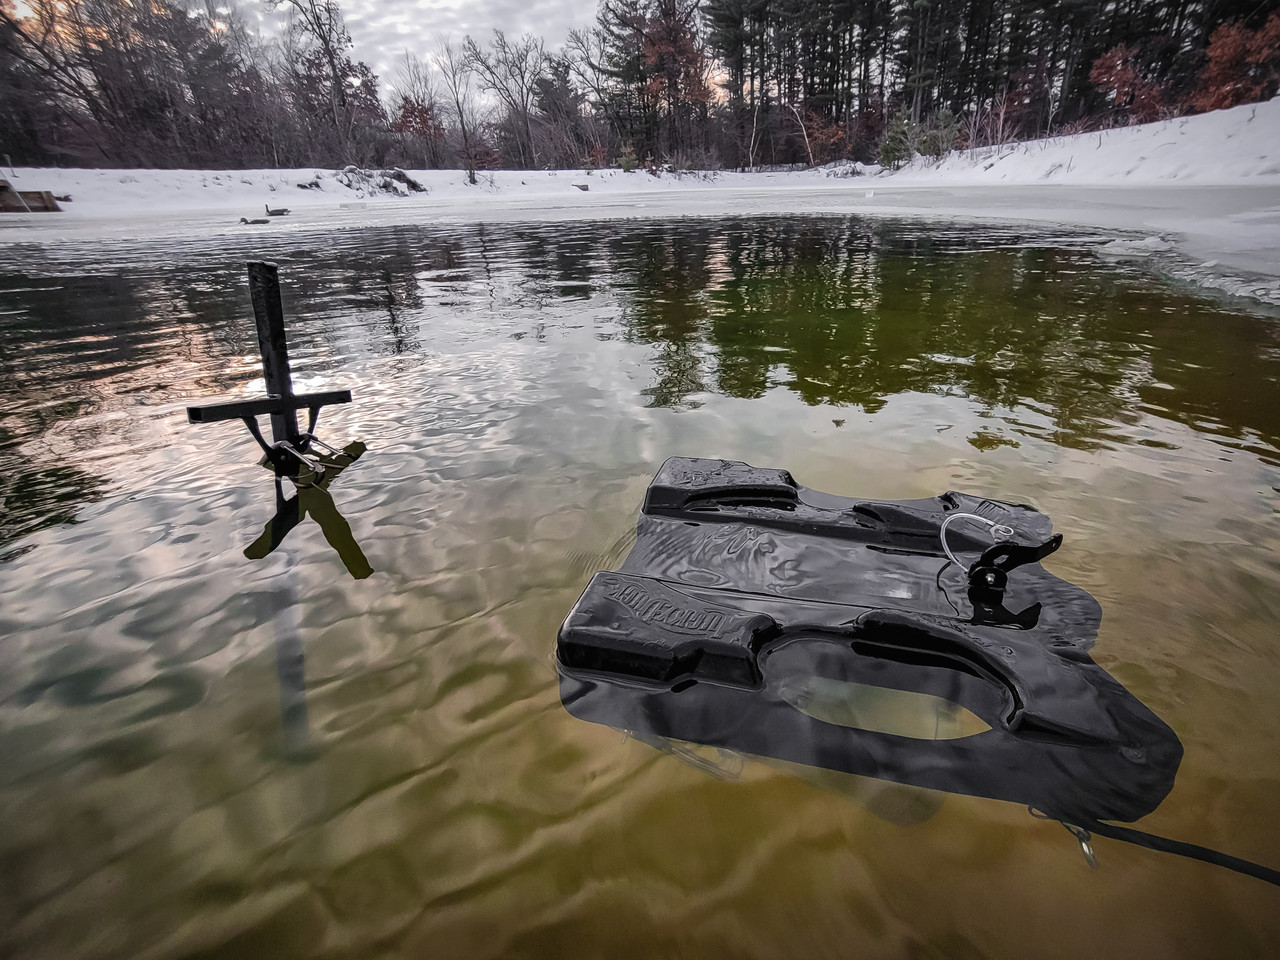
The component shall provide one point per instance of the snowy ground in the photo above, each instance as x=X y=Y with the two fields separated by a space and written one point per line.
x=1199 y=194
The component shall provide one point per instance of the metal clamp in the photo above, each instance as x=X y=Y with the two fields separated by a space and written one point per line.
x=310 y=463
x=1082 y=835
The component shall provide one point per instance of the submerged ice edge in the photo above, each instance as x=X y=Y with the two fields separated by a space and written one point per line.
x=1241 y=288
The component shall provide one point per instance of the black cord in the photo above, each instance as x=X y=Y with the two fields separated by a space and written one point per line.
x=1152 y=842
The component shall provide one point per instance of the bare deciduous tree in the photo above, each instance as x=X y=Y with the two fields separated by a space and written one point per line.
x=419 y=107
x=457 y=75
x=322 y=22
x=510 y=71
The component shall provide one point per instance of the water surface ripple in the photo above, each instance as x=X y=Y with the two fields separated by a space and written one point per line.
x=207 y=755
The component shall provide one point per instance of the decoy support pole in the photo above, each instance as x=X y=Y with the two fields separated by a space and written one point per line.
x=268 y=313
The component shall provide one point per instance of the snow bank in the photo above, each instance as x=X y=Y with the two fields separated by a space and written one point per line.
x=132 y=193
x=1240 y=145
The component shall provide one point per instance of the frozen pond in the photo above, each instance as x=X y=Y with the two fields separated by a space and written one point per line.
x=517 y=386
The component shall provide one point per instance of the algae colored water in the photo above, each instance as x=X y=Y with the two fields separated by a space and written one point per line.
x=204 y=754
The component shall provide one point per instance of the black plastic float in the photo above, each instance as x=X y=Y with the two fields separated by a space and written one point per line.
x=742 y=583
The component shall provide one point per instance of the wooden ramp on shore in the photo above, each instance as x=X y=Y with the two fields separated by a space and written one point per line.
x=26 y=201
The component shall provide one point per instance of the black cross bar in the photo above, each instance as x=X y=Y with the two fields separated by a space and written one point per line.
x=239 y=409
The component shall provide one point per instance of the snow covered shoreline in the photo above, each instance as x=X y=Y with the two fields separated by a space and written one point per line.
x=1205 y=189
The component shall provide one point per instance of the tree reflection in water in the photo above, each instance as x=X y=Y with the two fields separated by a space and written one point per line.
x=1044 y=343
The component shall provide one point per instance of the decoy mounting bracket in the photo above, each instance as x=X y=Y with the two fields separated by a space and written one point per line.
x=289 y=452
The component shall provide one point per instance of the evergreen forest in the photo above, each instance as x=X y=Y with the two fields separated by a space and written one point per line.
x=695 y=84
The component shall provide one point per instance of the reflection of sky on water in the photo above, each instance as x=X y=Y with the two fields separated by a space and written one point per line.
x=517 y=387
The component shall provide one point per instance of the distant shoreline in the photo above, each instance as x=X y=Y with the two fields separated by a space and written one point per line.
x=1204 y=189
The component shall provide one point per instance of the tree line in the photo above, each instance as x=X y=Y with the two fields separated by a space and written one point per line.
x=695 y=83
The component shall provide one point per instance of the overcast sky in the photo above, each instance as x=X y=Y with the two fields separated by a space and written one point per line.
x=382 y=29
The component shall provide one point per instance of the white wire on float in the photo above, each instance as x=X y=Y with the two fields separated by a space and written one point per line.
x=999 y=531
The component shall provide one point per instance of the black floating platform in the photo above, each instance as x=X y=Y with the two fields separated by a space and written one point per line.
x=742 y=581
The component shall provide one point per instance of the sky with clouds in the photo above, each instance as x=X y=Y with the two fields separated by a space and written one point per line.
x=383 y=29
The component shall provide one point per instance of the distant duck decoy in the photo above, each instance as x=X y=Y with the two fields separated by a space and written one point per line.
x=258 y=220
x=277 y=212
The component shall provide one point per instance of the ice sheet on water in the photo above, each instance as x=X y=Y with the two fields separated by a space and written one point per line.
x=1124 y=249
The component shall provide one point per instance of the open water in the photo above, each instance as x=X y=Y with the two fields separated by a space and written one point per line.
x=361 y=752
